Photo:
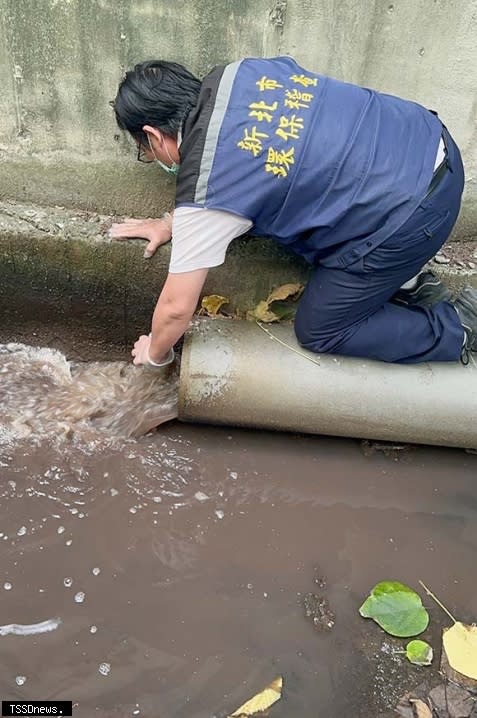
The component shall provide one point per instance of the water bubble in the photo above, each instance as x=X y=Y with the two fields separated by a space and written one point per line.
x=69 y=542
x=80 y=596
x=93 y=629
x=132 y=510
x=20 y=680
x=68 y=582
x=200 y=496
x=104 y=668
x=7 y=586
x=96 y=571
x=21 y=531
x=60 y=529
x=157 y=499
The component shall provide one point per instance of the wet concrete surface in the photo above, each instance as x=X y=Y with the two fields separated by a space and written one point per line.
x=82 y=327
x=207 y=541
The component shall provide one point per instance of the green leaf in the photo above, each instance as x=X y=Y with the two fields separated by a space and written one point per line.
x=420 y=653
x=396 y=608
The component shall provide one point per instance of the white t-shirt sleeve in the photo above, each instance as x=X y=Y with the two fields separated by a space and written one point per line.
x=200 y=237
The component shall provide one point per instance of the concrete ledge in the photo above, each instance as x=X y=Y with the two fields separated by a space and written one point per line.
x=65 y=283
x=120 y=185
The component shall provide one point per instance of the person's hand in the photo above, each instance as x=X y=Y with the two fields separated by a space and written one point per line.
x=140 y=353
x=156 y=231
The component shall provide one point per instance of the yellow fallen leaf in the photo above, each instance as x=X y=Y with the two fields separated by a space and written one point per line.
x=420 y=709
x=262 y=701
x=284 y=292
x=213 y=303
x=262 y=313
x=460 y=644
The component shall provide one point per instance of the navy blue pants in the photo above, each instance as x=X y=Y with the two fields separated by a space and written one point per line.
x=349 y=312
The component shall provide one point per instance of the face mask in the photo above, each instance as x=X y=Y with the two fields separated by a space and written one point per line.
x=173 y=169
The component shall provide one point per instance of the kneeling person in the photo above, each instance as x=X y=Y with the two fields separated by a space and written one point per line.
x=365 y=186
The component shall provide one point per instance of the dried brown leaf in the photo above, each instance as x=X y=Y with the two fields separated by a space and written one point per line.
x=278 y=305
x=213 y=303
x=262 y=313
x=420 y=709
x=285 y=291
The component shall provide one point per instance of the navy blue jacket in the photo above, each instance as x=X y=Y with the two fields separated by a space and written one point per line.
x=326 y=168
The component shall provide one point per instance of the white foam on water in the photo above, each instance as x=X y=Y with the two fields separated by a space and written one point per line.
x=30 y=629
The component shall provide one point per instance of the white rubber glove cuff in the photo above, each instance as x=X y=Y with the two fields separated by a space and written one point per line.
x=168 y=360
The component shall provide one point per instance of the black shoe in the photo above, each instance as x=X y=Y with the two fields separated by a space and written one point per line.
x=428 y=291
x=465 y=305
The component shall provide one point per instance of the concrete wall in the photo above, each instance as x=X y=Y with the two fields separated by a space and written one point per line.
x=60 y=62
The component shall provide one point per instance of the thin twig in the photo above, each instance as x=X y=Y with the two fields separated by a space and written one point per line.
x=429 y=593
x=297 y=351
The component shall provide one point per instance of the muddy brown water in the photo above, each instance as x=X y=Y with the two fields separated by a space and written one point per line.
x=194 y=548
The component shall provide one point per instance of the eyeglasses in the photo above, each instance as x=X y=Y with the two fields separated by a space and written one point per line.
x=142 y=156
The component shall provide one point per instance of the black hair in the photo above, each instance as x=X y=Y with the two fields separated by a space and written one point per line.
x=156 y=93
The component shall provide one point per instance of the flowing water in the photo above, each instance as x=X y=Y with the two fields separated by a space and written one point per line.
x=44 y=395
x=164 y=575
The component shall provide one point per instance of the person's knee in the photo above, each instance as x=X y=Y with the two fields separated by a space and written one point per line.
x=302 y=332
x=308 y=333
